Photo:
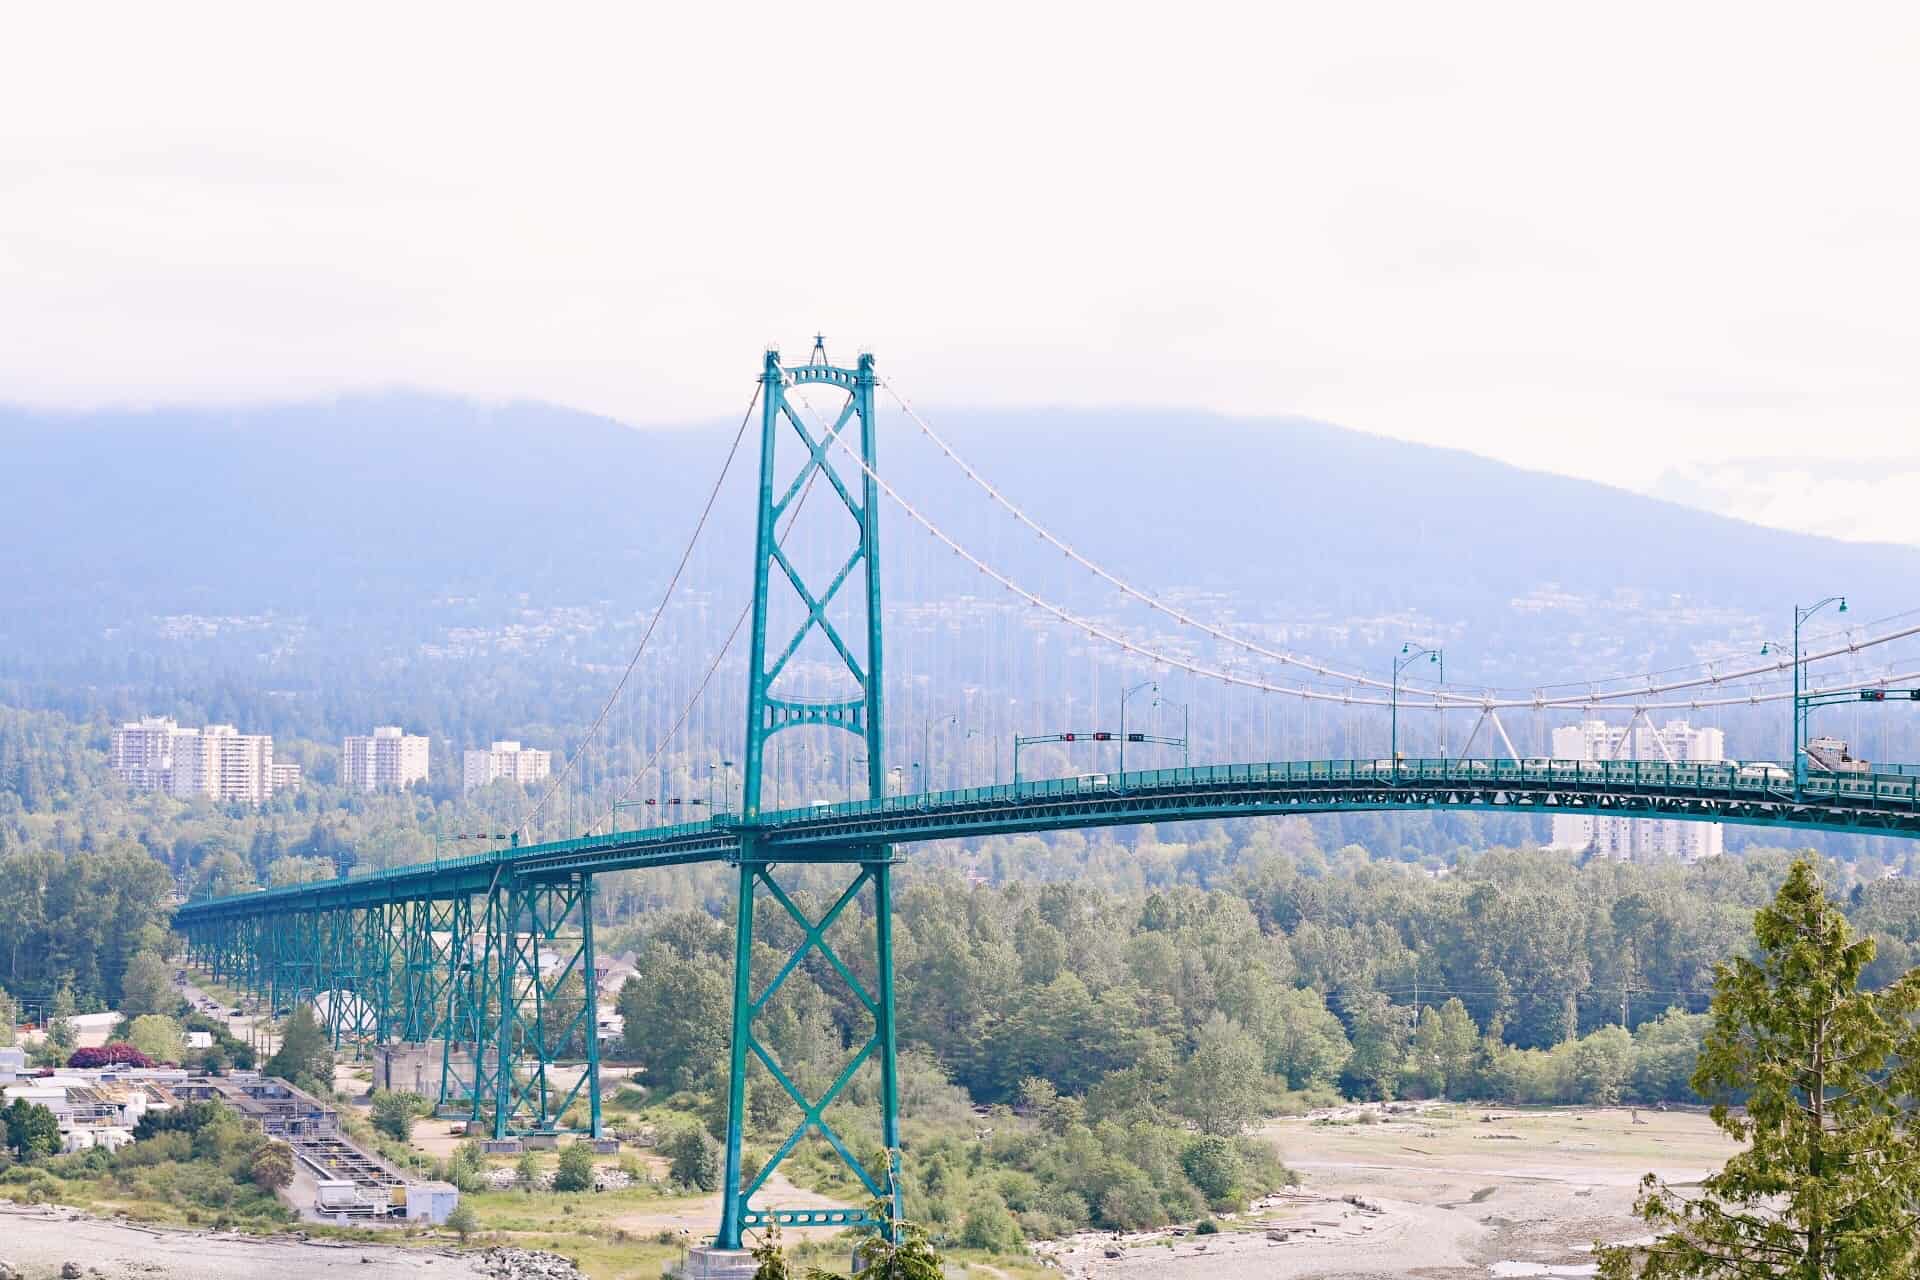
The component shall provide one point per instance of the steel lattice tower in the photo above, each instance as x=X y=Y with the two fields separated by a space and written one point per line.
x=768 y=714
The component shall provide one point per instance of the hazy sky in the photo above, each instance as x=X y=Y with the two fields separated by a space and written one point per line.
x=1605 y=240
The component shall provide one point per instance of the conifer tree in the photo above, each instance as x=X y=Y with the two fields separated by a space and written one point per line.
x=1828 y=1187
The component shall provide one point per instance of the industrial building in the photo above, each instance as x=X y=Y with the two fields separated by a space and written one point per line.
x=99 y=1107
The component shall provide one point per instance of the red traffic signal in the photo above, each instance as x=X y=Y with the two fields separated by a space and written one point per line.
x=1103 y=737
x=1069 y=737
x=1873 y=695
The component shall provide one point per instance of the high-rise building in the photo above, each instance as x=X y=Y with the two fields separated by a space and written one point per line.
x=505 y=760
x=142 y=752
x=385 y=760
x=218 y=761
x=1677 y=741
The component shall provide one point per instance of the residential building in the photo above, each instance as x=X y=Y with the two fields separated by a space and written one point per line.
x=142 y=752
x=224 y=764
x=217 y=761
x=1631 y=838
x=286 y=777
x=385 y=760
x=506 y=760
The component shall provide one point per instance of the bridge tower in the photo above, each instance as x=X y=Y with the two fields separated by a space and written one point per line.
x=857 y=709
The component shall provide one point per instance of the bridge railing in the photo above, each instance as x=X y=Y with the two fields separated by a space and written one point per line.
x=1896 y=785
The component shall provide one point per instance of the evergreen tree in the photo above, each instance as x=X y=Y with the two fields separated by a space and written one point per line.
x=305 y=1056
x=1827 y=1186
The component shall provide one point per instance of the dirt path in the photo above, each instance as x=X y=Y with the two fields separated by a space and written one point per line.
x=38 y=1241
x=699 y=1216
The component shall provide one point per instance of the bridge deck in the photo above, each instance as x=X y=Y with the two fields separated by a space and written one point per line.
x=1886 y=803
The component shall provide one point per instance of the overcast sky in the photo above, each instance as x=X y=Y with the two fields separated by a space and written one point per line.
x=1609 y=240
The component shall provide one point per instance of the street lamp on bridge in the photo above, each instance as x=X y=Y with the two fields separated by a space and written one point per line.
x=1800 y=614
x=1144 y=684
x=1409 y=654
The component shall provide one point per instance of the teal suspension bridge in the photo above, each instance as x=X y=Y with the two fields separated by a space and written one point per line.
x=478 y=953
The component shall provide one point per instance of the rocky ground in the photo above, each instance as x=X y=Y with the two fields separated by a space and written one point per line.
x=41 y=1244
x=1444 y=1194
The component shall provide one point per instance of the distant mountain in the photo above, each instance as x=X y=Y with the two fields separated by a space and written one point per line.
x=363 y=512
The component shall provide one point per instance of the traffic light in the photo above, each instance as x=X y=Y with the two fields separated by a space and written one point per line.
x=1913 y=695
x=1103 y=737
x=1873 y=695
x=1136 y=737
x=1069 y=737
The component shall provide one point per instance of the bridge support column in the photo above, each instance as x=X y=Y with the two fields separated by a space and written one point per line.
x=737 y=1211
x=539 y=1016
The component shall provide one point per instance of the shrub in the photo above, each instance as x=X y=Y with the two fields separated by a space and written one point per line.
x=990 y=1226
x=117 y=1054
x=1206 y=1227
x=694 y=1157
x=463 y=1221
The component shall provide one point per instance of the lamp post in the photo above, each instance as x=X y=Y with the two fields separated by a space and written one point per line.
x=1800 y=614
x=982 y=733
x=926 y=749
x=1144 y=684
x=1409 y=653
x=1186 y=760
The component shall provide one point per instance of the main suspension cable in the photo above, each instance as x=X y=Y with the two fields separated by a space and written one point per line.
x=1437 y=694
x=1424 y=699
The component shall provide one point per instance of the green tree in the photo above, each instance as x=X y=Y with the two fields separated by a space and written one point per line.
x=393 y=1114
x=147 y=986
x=1826 y=1187
x=61 y=1035
x=272 y=1166
x=771 y=1256
x=1213 y=1164
x=526 y=1170
x=1220 y=1085
x=305 y=1057
x=32 y=1130
x=1306 y=1043
x=575 y=1172
x=677 y=1020
x=693 y=1158
x=157 y=1036
x=890 y=1249
x=9 y=1017
x=1598 y=1067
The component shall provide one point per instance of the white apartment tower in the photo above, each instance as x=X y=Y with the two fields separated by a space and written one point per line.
x=385 y=760
x=505 y=760
x=1627 y=838
x=217 y=761
x=142 y=753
